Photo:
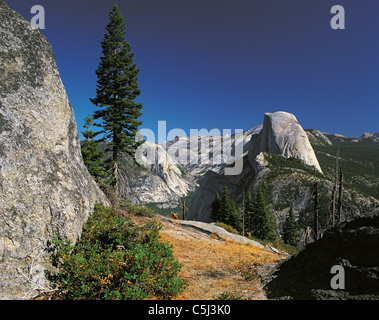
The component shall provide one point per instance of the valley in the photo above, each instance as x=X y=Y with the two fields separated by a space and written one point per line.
x=281 y=171
x=259 y=214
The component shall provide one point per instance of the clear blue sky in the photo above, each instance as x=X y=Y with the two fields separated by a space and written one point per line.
x=223 y=63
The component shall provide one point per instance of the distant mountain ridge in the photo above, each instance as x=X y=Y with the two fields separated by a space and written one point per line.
x=204 y=178
x=370 y=135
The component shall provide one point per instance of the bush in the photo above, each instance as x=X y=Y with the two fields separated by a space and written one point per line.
x=138 y=209
x=116 y=259
x=226 y=227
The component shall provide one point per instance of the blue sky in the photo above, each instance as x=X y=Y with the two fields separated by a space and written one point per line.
x=223 y=63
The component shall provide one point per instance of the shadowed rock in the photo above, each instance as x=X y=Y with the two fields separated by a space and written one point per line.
x=307 y=275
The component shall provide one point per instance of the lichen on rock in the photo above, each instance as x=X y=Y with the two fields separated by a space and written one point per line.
x=45 y=187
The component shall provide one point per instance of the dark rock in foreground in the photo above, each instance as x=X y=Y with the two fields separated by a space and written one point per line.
x=307 y=275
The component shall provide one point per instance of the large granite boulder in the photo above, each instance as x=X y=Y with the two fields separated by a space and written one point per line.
x=45 y=187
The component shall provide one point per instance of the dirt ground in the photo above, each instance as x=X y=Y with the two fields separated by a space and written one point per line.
x=212 y=265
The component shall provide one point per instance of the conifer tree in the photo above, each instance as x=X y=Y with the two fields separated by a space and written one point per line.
x=117 y=89
x=249 y=209
x=291 y=229
x=215 y=208
x=92 y=155
x=223 y=209
x=271 y=227
x=226 y=206
x=235 y=218
x=263 y=222
x=258 y=216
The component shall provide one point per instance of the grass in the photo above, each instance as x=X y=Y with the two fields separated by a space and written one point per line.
x=145 y=264
x=212 y=266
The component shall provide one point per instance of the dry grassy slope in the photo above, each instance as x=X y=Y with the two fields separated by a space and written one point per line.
x=213 y=263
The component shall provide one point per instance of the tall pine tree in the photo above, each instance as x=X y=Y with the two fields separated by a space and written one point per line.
x=271 y=227
x=215 y=208
x=223 y=209
x=117 y=89
x=249 y=210
x=227 y=206
x=291 y=229
x=92 y=155
x=258 y=215
x=263 y=222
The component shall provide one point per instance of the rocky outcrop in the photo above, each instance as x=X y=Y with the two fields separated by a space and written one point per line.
x=283 y=134
x=280 y=133
x=171 y=170
x=212 y=183
x=203 y=153
x=307 y=275
x=212 y=229
x=317 y=137
x=367 y=135
x=45 y=188
x=164 y=181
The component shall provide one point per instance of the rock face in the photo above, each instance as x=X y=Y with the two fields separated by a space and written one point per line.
x=283 y=134
x=316 y=137
x=209 y=228
x=44 y=186
x=367 y=135
x=213 y=182
x=203 y=153
x=307 y=275
x=280 y=133
x=163 y=182
x=172 y=169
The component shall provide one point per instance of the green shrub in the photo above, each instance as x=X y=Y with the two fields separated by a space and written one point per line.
x=138 y=209
x=288 y=248
x=116 y=259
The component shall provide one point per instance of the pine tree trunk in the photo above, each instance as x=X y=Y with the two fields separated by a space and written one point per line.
x=335 y=190
x=115 y=147
x=116 y=176
x=334 y=206
x=243 y=214
x=340 y=196
x=316 y=213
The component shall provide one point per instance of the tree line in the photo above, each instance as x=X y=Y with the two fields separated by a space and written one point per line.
x=253 y=217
